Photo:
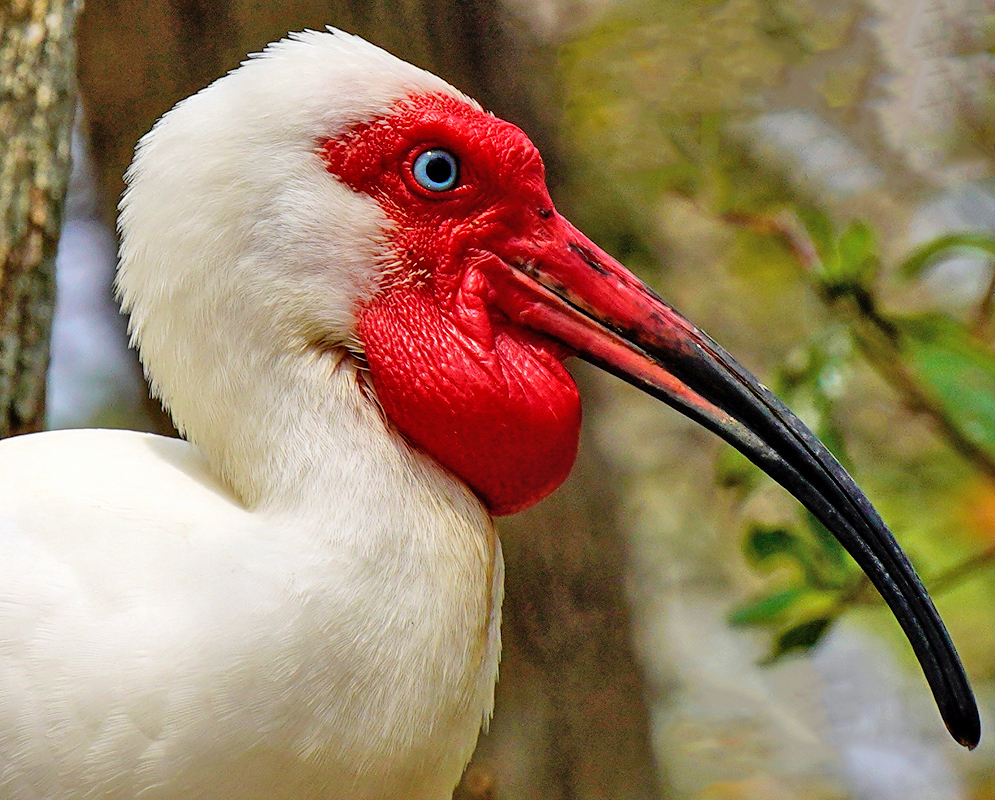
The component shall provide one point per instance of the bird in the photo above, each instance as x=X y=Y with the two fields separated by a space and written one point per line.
x=349 y=287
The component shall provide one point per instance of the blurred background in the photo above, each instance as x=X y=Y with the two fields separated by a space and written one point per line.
x=811 y=183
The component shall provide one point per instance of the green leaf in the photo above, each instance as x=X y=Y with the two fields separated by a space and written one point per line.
x=803 y=636
x=930 y=252
x=820 y=230
x=762 y=545
x=766 y=608
x=858 y=257
x=958 y=369
x=849 y=259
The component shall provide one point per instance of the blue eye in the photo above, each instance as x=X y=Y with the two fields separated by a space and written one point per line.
x=436 y=170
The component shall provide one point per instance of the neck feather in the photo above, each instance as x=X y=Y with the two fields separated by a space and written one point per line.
x=303 y=433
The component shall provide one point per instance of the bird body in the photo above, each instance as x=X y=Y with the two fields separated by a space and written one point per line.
x=350 y=289
x=161 y=640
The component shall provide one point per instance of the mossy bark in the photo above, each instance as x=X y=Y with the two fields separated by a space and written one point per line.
x=37 y=105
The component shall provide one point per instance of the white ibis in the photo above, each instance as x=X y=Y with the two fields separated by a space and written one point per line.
x=351 y=290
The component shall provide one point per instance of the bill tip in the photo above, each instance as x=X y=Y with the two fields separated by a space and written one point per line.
x=967 y=732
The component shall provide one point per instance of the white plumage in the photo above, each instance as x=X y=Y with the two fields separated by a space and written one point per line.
x=288 y=629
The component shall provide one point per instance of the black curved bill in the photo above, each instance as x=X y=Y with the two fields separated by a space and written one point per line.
x=567 y=288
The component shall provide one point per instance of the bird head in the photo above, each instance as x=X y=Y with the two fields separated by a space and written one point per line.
x=454 y=368
x=326 y=195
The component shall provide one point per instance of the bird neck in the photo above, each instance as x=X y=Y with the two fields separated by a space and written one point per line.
x=302 y=432
x=390 y=541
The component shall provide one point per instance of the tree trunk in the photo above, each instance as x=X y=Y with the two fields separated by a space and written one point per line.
x=37 y=105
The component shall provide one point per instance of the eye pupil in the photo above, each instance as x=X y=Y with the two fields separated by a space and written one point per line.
x=436 y=170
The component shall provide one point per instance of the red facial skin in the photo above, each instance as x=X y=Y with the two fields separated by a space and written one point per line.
x=488 y=399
